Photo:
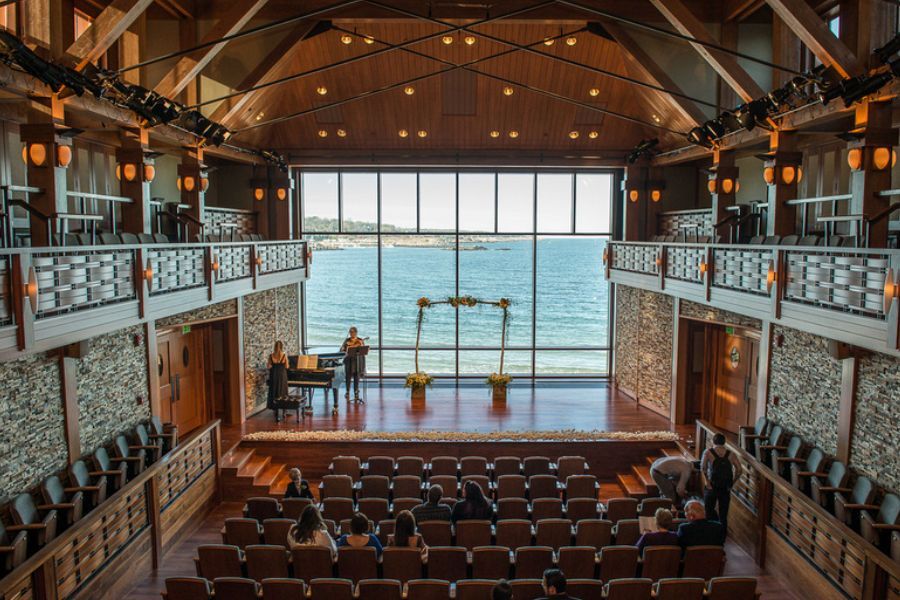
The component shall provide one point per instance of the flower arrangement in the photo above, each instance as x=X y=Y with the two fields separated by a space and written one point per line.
x=495 y=379
x=563 y=435
x=418 y=380
x=423 y=302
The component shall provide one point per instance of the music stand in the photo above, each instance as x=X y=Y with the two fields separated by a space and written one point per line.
x=358 y=354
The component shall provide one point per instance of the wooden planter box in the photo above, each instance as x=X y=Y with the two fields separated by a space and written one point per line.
x=417 y=395
x=498 y=393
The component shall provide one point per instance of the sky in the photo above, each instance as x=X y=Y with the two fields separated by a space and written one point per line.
x=592 y=194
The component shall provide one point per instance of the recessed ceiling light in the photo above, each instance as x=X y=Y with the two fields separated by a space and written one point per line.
x=369 y=39
x=403 y=133
x=593 y=135
x=494 y=133
x=469 y=40
x=321 y=90
x=656 y=118
x=549 y=41
x=573 y=134
x=346 y=39
x=260 y=115
x=341 y=132
x=508 y=90
x=594 y=92
x=323 y=133
x=513 y=134
x=571 y=41
x=409 y=90
x=422 y=133
x=447 y=39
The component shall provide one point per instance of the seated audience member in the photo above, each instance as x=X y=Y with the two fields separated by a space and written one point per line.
x=310 y=530
x=473 y=506
x=554 y=584
x=699 y=531
x=405 y=535
x=359 y=536
x=662 y=536
x=502 y=591
x=432 y=510
x=297 y=487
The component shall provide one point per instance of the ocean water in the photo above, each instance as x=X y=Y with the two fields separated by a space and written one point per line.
x=572 y=304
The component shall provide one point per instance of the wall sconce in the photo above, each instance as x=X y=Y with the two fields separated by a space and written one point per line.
x=214 y=265
x=769 y=175
x=788 y=173
x=633 y=195
x=281 y=193
x=655 y=195
x=35 y=153
x=204 y=184
x=703 y=267
x=187 y=184
x=605 y=255
x=259 y=194
x=882 y=157
x=63 y=156
x=711 y=185
x=854 y=158
x=727 y=185
x=309 y=257
x=127 y=170
x=891 y=290
x=149 y=173
x=31 y=289
x=658 y=260
x=258 y=261
x=771 y=276
x=148 y=275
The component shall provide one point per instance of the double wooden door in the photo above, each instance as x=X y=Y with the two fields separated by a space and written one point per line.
x=182 y=383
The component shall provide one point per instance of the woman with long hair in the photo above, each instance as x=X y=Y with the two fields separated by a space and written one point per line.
x=310 y=530
x=473 y=506
x=278 y=380
x=405 y=535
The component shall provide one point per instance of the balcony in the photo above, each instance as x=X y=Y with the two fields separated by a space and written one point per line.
x=51 y=297
x=845 y=294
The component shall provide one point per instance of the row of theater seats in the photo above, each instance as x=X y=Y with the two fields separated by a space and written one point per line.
x=862 y=505
x=60 y=505
x=765 y=240
x=236 y=588
x=454 y=563
x=416 y=466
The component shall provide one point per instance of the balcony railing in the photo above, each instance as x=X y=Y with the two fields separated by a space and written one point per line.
x=848 y=294
x=55 y=296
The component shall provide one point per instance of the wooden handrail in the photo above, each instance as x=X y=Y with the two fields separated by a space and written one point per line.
x=818 y=199
x=103 y=197
x=49 y=551
x=874 y=554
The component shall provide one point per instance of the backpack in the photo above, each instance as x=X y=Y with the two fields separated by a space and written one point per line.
x=721 y=475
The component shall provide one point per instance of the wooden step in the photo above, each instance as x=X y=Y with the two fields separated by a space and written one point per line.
x=633 y=488
x=279 y=486
x=269 y=475
x=237 y=458
x=642 y=474
x=253 y=467
x=671 y=452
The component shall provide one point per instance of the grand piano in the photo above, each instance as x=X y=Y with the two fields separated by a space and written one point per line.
x=312 y=372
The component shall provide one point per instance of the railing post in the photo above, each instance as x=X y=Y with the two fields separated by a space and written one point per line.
x=778 y=260
x=210 y=272
x=893 y=317
x=661 y=258
x=708 y=276
x=139 y=282
x=20 y=288
x=151 y=491
x=763 y=516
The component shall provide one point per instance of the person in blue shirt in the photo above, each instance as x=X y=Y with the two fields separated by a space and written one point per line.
x=359 y=536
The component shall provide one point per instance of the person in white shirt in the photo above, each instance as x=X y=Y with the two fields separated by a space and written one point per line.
x=310 y=530
x=671 y=475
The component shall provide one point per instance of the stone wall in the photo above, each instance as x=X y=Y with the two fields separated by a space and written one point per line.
x=644 y=346
x=806 y=381
x=32 y=436
x=219 y=310
x=268 y=316
x=876 y=437
x=708 y=313
x=112 y=387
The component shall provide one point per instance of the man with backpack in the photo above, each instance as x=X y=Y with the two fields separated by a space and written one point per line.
x=721 y=468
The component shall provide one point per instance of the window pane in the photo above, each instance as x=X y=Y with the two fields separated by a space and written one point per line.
x=412 y=267
x=490 y=271
x=572 y=303
x=485 y=362
x=437 y=201
x=359 y=193
x=515 y=202
x=476 y=202
x=320 y=201
x=554 y=198
x=398 y=201
x=343 y=293
x=593 y=202
x=433 y=362
x=581 y=362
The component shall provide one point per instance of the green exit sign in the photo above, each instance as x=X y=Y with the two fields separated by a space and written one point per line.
x=728 y=330
x=185 y=329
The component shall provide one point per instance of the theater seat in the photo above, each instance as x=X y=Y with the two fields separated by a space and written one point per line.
x=187 y=588
x=618 y=562
x=661 y=562
x=704 y=562
x=235 y=588
x=579 y=509
x=512 y=508
x=514 y=533
x=749 y=436
x=593 y=532
x=731 y=588
x=370 y=486
x=585 y=589
x=312 y=562
x=292 y=508
x=490 y=562
x=380 y=465
x=803 y=471
x=685 y=588
x=219 y=560
x=336 y=486
x=377 y=509
x=473 y=533
x=876 y=527
x=773 y=442
x=792 y=454
x=527 y=589
x=507 y=465
x=447 y=563
x=553 y=532
x=474 y=589
x=262 y=508
x=448 y=483
x=267 y=562
x=337 y=509
x=143 y=441
x=136 y=459
x=167 y=433
x=116 y=473
x=443 y=466
x=532 y=561
x=823 y=491
x=542 y=486
x=283 y=589
x=380 y=589
x=436 y=533
x=428 y=589
x=94 y=490
x=411 y=465
x=536 y=465
x=407 y=486
x=847 y=507
x=621 y=508
x=473 y=465
x=546 y=508
x=275 y=531
x=331 y=589
x=55 y=497
x=401 y=564
x=628 y=589
x=511 y=486
x=627 y=532
x=13 y=549
x=577 y=562
x=41 y=529
x=346 y=465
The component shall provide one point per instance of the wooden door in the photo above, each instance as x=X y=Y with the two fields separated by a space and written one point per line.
x=182 y=383
x=735 y=376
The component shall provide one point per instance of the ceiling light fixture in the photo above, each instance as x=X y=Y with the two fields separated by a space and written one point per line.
x=513 y=134
x=593 y=135
x=369 y=39
x=323 y=133
x=548 y=41
x=403 y=133
x=594 y=92
x=341 y=132
x=571 y=41
x=656 y=118
x=321 y=90
x=508 y=90
x=573 y=135
x=409 y=90
x=447 y=39
x=422 y=133
x=469 y=40
x=346 y=39
x=494 y=133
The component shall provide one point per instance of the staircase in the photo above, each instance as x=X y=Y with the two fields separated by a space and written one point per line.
x=246 y=473
x=638 y=483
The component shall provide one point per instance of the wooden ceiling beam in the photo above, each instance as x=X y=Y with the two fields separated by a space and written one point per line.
x=814 y=32
x=724 y=64
x=638 y=59
x=189 y=67
x=270 y=67
x=738 y=10
x=175 y=8
x=105 y=30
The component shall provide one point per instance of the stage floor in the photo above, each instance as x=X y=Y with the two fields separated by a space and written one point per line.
x=467 y=406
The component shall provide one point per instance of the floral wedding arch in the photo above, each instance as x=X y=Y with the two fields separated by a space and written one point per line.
x=420 y=379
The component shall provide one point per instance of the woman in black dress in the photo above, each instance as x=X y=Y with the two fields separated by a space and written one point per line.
x=474 y=506
x=278 y=381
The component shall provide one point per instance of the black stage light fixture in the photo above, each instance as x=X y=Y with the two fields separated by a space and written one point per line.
x=715 y=128
x=56 y=77
x=886 y=52
x=828 y=93
x=643 y=148
x=855 y=89
x=730 y=121
x=699 y=137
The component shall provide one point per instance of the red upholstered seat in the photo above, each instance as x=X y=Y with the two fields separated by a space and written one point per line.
x=577 y=562
x=490 y=562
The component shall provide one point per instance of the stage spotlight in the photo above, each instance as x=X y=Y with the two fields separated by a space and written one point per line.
x=828 y=93
x=855 y=89
x=715 y=128
x=643 y=148
x=886 y=52
x=730 y=121
x=699 y=137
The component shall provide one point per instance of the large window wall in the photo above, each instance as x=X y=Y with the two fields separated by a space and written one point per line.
x=383 y=239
